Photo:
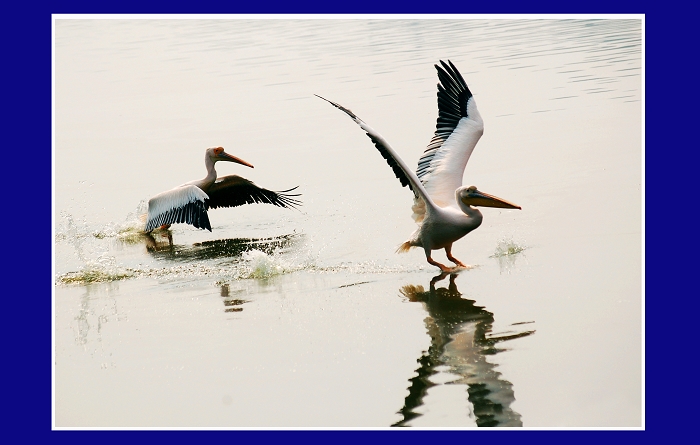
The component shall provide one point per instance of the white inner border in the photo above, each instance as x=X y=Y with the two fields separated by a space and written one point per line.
x=55 y=17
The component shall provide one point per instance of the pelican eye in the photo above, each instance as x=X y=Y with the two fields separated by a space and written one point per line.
x=218 y=150
x=472 y=188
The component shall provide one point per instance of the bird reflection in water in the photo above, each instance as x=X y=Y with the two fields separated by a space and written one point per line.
x=160 y=244
x=231 y=304
x=461 y=341
x=158 y=240
x=97 y=308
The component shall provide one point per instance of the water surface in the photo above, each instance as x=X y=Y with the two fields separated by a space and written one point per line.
x=282 y=318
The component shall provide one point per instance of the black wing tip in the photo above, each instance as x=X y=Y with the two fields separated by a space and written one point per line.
x=252 y=194
x=449 y=66
x=329 y=101
x=398 y=172
x=290 y=190
x=286 y=199
x=444 y=68
x=338 y=106
x=452 y=72
x=452 y=90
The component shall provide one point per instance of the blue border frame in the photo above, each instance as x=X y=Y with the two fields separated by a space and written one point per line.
x=28 y=81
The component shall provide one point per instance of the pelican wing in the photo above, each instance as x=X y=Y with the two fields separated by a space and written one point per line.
x=401 y=170
x=459 y=127
x=233 y=191
x=185 y=204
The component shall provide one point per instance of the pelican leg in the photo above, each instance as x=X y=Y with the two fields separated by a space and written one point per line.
x=435 y=263
x=448 y=251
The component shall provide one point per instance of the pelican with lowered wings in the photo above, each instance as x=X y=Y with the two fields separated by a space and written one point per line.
x=443 y=209
x=189 y=202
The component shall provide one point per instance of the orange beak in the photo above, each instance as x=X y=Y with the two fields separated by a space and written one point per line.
x=481 y=199
x=227 y=157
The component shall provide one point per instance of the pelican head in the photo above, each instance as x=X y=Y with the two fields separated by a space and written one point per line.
x=471 y=196
x=218 y=154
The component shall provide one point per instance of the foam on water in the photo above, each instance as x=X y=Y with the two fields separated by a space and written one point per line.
x=506 y=246
x=258 y=264
x=103 y=269
x=253 y=264
x=507 y=252
x=95 y=249
x=129 y=231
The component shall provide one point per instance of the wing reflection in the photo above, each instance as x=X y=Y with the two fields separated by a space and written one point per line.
x=160 y=245
x=461 y=340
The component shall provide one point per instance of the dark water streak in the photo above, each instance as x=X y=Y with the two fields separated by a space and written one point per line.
x=161 y=246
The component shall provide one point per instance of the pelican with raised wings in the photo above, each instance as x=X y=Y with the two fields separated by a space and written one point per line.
x=443 y=209
x=189 y=202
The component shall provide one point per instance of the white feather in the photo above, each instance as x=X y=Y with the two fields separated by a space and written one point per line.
x=173 y=199
x=444 y=176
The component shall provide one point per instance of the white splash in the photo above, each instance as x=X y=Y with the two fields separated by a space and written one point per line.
x=103 y=269
x=258 y=264
x=506 y=246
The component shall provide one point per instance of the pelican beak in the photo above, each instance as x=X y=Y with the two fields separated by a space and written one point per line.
x=481 y=199
x=227 y=157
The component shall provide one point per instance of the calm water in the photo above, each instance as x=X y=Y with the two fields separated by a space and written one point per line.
x=282 y=318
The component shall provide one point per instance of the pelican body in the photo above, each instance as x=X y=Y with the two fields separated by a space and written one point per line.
x=444 y=210
x=189 y=202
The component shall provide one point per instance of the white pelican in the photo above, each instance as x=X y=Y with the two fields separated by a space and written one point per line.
x=442 y=207
x=189 y=202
